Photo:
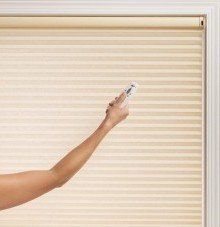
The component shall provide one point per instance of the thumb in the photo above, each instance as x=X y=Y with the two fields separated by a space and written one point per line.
x=121 y=98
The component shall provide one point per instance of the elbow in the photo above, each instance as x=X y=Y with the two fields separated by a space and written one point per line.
x=57 y=179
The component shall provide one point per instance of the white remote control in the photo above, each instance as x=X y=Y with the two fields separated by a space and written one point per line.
x=130 y=91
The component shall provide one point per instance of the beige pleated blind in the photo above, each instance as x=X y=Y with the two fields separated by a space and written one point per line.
x=56 y=79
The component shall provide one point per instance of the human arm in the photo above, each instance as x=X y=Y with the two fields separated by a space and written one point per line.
x=18 y=188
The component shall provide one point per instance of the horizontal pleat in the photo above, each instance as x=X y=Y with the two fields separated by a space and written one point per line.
x=54 y=88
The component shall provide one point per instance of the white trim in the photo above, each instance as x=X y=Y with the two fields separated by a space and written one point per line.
x=204 y=127
x=212 y=118
x=210 y=8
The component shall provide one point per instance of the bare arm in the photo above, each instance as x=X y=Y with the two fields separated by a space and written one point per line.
x=19 y=188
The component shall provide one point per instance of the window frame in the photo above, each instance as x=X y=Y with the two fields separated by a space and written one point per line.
x=211 y=10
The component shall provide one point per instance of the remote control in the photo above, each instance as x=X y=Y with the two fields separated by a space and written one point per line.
x=130 y=91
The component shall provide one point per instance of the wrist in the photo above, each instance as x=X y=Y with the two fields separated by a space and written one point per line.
x=106 y=124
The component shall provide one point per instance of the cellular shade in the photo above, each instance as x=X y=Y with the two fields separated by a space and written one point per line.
x=55 y=86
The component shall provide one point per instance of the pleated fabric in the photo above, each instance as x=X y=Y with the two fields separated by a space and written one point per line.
x=55 y=86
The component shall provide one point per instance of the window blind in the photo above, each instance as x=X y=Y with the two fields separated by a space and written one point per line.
x=55 y=85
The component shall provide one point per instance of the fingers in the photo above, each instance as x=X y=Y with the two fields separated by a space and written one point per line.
x=113 y=101
x=126 y=107
x=107 y=109
x=121 y=98
x=117 y=100
x=126 y=110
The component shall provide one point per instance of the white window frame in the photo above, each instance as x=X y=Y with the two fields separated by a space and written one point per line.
x=209 y=8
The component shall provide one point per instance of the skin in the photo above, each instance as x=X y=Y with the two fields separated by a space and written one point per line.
x=19 y=188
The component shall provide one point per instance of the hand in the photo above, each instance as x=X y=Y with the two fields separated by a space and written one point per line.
x=115 y=113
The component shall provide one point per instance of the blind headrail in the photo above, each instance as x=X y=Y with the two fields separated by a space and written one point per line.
x=102 y=22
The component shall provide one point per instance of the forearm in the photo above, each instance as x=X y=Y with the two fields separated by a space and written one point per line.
x=19 y=188
x=75 y=159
